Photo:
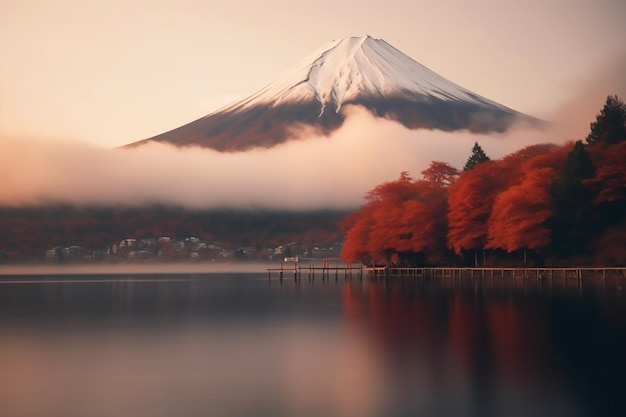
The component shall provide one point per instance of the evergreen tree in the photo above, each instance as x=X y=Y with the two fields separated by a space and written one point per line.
x=610 y=124
x=478 y=156
x=572 y=222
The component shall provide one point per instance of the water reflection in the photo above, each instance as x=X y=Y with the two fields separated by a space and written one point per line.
x=238 y=345
x=504 y=350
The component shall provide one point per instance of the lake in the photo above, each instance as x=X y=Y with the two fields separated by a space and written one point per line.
x=239 y=344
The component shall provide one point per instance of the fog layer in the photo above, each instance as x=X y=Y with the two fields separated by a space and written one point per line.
x=312 y=172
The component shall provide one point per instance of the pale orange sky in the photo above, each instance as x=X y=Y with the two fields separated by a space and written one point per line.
x=113 y=72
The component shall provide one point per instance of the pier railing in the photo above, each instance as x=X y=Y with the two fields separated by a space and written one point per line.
x=442 y=272
x=329 y=267
x=525 y=275
x=335 y=267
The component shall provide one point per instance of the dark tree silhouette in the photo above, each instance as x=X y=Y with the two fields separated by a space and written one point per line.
x=573 y=221
x=609 y=203
x=610 y=124
x=477 y=156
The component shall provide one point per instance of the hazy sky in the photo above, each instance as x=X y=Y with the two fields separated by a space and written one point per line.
x=81 y=77
x=115 y=71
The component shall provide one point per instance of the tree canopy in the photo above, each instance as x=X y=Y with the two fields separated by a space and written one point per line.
x=520 y=213
x=404 y=221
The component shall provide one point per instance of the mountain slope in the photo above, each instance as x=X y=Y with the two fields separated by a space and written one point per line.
x=354 y=71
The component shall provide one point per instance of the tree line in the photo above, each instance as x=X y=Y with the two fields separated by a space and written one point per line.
x=542 y=205
x=27 y=232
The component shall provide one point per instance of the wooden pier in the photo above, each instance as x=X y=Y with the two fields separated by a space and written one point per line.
x=578 y=276
x=330 y=267
x=443 y=272
x=336 y=267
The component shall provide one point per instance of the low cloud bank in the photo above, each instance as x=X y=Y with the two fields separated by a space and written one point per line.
x=313 y=172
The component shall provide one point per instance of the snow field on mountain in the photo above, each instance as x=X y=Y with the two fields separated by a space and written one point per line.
x=357 y=67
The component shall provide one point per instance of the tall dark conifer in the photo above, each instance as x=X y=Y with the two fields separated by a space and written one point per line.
x=478 y=156
x=572 y=223
x=610 y=125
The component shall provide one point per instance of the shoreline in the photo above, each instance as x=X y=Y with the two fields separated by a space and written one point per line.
x=132 y=268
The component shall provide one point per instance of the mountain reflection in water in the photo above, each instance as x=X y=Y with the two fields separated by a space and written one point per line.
x=241 y=345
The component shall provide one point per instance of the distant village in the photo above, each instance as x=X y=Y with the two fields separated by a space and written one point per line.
x=165 y=248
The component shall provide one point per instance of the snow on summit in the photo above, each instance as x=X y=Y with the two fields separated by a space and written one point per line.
x=346 y=69
x=357 y=71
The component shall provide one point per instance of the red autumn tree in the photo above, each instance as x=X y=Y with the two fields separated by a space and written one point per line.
x=369 y=230
x=357 y=227
x=406 y=228
x=519 y=214
x=474 y=193
x=398 y=209
x=440 y=174
x=469 y=206
x=403 y=221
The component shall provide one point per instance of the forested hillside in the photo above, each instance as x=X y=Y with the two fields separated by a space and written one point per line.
x=28 y=232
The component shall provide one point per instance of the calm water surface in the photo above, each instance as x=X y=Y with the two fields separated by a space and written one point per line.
x=237 y=344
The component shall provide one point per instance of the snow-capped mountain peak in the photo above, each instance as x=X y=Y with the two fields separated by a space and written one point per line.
x=360 y=71
x=347 y=69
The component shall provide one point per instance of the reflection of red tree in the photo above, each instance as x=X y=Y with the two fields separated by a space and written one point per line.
x=392 y=320
x=465 y=328
x=493 y=337
x=510 y=340
x=516 y=339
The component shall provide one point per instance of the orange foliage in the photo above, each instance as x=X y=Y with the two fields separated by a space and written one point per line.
x=504 y=204
x=519 y=213
x=469 y=206
x=401 y=217
x=473 y=195
x=403 y=226
x=440 y=174
x=358 y=225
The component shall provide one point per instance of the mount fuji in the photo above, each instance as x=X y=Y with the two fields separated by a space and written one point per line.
x=358 y=71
